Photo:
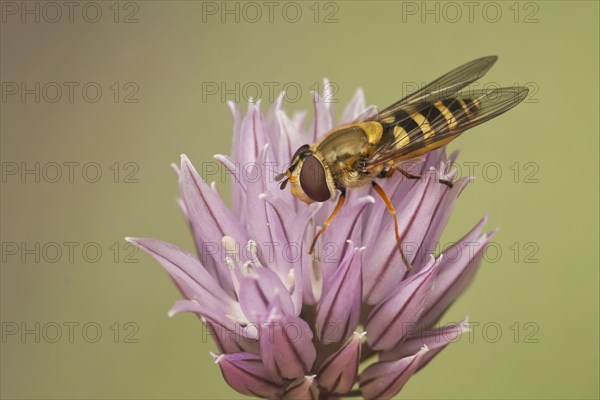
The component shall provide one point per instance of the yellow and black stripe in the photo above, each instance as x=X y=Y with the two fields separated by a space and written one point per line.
x=421 y=124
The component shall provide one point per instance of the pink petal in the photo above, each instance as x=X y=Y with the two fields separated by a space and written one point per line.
x=436 y=340
x=384 y=379
x=272 y=119
x=347 y=225
x=338 y=372
x=338 y=311
x=456 y=271
x=229 y=341
x=286 y=346
x=354 y=108
x=211 y=314
x=392 y=319
x=302 y=389
x=261 y=290
x=189 y=274
x=253 y=135
x=438 y=223
x=385 y=267
x=246 y=373
x=323 y=105
x=211 y=220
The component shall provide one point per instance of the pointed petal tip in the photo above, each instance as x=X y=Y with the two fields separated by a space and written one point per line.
x=232 y=106
x=466 y=324
x=179 y=307
x=484 y=220
x=492 y=233
x=217 y=357
x=185 y=162
x=280 y=97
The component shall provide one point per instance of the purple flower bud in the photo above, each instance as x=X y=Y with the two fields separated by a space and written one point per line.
x=339 y=309
x=302 y=389
x=285 y=345
x=384 y=379
x=457 y=270
x=338 y=372
x=436 y=340
x=398 y=314
x=246 y=373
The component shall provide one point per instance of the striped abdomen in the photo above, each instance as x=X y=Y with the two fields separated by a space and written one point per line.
x=419 y=128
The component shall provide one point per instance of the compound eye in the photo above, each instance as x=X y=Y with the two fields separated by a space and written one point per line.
x=313 y=180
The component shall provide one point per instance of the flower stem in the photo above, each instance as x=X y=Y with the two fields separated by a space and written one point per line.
x=353 y=393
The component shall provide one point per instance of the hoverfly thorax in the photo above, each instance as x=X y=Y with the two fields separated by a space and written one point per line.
x=310 y=179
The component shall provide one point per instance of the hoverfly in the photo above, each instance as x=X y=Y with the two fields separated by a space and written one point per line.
x=356 y=154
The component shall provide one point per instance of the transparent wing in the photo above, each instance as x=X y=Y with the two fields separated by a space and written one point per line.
x=441 y=121
x=444 y=86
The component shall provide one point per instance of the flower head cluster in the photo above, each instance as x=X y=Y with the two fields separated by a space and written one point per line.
x=292 y=325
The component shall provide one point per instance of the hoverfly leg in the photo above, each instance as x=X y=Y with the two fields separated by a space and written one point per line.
x=409 y=175
x=336 y=210
x=392 y=211
x=387 y=171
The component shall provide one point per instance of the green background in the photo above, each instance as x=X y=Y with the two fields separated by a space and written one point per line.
x=549 y=289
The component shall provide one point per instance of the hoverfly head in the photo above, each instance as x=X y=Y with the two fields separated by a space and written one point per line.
x=307 y=176
x=301 y=153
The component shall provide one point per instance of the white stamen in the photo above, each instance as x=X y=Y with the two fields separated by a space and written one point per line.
x=229 y=244
x=253 y=249
x=248 y=266
x=234 y=278
x=291 y=280
x=230 y=263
